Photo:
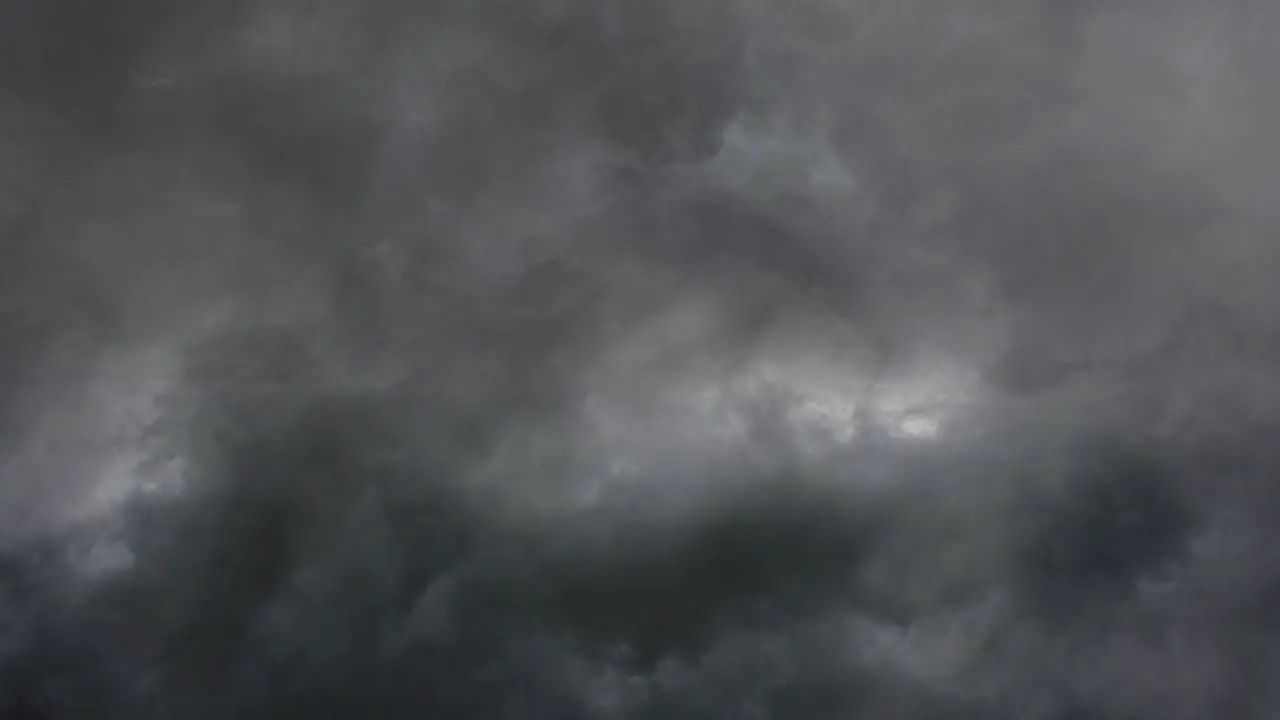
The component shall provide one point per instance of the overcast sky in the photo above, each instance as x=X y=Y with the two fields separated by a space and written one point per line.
x=600 y=359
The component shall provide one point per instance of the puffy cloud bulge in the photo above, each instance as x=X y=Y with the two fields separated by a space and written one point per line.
x=700 y=359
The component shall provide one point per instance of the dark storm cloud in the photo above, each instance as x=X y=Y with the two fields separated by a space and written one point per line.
x=664 y=360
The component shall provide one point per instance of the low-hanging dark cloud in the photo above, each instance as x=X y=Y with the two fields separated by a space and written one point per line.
x=572 y=359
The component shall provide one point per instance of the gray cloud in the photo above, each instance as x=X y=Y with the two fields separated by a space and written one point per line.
x=600 y=360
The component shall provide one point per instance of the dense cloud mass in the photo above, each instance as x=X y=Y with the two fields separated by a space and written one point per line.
x=669 y=359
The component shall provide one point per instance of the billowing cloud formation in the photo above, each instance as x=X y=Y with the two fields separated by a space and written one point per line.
x=573 y=359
